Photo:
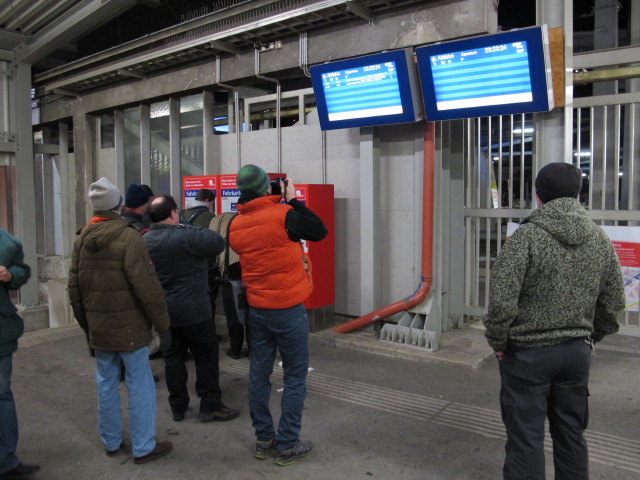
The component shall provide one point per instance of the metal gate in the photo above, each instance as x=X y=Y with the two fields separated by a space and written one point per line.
x=501 y=167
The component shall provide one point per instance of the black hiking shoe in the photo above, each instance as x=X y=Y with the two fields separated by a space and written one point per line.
x=265 y=449
x=299 y=450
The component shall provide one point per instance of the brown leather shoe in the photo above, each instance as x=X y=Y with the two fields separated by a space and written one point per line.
x=162 y=449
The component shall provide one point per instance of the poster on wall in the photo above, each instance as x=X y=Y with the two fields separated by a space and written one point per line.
x=191 y=185
x=626 y=242
x=229 y=193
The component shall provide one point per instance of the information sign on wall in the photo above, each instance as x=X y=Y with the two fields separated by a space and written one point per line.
x=191 y=185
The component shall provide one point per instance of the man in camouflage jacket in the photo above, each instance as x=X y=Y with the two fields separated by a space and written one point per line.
x=556 y=288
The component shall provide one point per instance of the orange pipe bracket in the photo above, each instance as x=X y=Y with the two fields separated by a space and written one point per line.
x=427 y=244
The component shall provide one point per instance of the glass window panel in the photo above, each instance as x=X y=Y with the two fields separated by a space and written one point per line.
x=160 y=148
x=191 y=136
x=107 y=130
x=132 y=169
x=191 y=103
x=160 y=109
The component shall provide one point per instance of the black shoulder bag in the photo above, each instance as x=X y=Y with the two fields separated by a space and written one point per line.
x=234 y=293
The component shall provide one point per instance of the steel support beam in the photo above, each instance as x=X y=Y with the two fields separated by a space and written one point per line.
x=74 y=23
x=607 y=57
x=10 y=39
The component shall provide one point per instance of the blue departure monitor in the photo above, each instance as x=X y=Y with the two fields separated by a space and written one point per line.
x=377 y=89
x=505 y=73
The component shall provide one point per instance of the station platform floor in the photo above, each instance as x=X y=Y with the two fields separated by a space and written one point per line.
x=374 y=411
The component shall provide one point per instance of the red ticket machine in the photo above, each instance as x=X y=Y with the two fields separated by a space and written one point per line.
x=319 y=198
x=320 y=305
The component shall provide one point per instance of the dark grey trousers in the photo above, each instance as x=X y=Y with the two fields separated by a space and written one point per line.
x=549 y=382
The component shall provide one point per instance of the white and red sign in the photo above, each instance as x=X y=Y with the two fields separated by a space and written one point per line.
x=191 y=185
x=626 y=242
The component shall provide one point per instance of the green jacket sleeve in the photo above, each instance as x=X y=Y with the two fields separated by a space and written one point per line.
x=20 y=271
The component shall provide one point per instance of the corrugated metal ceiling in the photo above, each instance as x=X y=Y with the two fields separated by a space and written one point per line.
x=156 y=35
x=237 y=26
x=28 y=17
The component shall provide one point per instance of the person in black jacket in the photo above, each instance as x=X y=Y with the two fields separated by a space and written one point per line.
x=199 y=209
x=180 y=254
x=136 y=200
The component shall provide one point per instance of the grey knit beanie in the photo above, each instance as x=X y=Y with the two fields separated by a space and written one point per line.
x=104 y=195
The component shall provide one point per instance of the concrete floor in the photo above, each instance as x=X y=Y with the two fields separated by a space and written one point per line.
x=373 y=410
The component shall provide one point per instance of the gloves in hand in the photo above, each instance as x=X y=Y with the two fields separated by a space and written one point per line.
x=91 y=351
x=165 y=341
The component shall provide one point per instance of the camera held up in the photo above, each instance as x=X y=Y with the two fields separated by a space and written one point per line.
x=275 y=185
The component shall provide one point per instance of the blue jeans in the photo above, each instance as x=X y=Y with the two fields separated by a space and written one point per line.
x=141 y=394
x=8 y=418
x=288 y=330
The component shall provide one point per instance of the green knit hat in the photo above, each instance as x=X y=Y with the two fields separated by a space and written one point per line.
x=252 y=179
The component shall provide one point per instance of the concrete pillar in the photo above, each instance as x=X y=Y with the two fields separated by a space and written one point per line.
x=605 y=149
x=25 y=222
x=553 y=130
x=174 y=147
x=84 y=132
x=145 y=145
x=118 y=140
x=211 y=164
x=66 y=169
x=369 y=221
x=631 y=148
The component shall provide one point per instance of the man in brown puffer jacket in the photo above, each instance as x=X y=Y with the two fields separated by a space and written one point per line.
x=116 y=297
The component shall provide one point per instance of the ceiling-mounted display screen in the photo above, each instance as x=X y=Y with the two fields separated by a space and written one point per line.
x=377 y=89
x=499 y=74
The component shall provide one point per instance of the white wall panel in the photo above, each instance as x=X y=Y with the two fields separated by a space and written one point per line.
x=260 y=148
x=343 y=162
x=347 y=238
x=302 y=153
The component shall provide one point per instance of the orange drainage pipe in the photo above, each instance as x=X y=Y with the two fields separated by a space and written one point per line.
x=427 y=244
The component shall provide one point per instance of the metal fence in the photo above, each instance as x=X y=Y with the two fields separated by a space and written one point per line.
x=501 y=167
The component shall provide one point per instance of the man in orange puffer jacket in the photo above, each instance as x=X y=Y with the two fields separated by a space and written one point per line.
x=277 y=274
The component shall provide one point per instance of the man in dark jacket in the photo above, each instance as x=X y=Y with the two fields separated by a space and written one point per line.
x=556 y=288
x=136 y=200
x=180 y=254
x=277 y=274
x=116 y=297
x=198 y=212
x=13 y=274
